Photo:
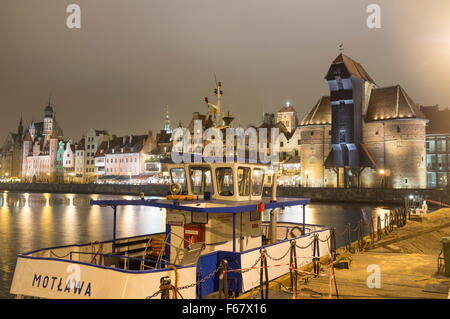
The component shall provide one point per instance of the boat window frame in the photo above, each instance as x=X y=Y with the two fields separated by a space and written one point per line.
x=218 y=180
x=203 y=168
x=262 y=170
x=249 y=176
x=185 y=186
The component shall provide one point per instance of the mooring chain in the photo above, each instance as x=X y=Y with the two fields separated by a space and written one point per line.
x=303 y=247
x=190 y=285
x=251 y=267
x=277 y=259
x=325 y=240
x=201 y=280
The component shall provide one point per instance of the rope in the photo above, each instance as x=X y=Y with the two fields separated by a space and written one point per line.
x=51 y=252
x=100 y=248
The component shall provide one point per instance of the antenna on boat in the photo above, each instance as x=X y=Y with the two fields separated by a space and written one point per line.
x=216 y=107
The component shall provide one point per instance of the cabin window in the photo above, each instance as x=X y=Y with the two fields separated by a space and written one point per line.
x=243 y=175
x=257 y=181
x=178 y=175
x=224 y=176
x=201 y=180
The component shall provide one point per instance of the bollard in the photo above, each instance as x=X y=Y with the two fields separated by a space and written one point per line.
x=333 y=243
x=378 y=227
x=293 y=266
x=165 y=285
x=264 y=272
x=347 y=237
x=360 y=235
x=223 y=280
x=316 y=256
x=372 y=231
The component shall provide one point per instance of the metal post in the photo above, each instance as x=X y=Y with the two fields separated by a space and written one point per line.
x=304 y=209
x=273 y=226
x=114 y=230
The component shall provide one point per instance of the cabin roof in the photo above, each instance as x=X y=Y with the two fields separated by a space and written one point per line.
x=217 y=206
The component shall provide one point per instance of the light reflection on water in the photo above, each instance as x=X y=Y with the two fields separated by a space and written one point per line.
x=33 y=221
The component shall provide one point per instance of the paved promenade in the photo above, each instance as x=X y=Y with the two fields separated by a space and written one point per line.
x=406 y=260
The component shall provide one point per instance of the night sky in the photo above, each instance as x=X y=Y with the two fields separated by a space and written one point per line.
x=133 y=57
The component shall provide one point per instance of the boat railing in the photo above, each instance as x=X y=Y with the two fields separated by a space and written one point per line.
x=286 y=230
x=114 y=262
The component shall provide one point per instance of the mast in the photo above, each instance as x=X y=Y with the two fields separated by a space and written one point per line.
x=216 y=107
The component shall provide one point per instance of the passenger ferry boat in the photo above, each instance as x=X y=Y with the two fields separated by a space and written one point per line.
x=214 y=213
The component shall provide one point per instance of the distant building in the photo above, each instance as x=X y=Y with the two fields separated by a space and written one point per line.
x=69 y=162
x=11 y=154
x=100 y=159
x=437 y=146
x=40 y=148
x=92 y=140
x=363 y=135
x=126 y=155
x=80 y=161
x=288 y=116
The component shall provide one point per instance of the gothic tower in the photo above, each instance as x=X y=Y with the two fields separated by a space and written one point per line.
x=348 y=83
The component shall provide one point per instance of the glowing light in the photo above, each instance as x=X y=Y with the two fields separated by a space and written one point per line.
x=288 y=103
x=5 y=200
x=381 y=171
x=27 y=196
x=47 y=199
x=70 y=197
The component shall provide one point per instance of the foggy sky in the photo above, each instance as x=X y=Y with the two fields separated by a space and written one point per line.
x=131 y=58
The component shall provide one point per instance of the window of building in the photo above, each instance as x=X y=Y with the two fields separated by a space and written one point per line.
x=311 y=147
x=398 y=128
x=342 y=136
x=299 y=142
x=441 y=144
x=441 y=162
x=406 y=181
x=281 y=144
x=399 y=143
x=312 y=133
x=442 y=180
x=431 y=162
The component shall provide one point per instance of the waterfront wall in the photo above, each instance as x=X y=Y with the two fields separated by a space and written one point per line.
x=372 y=195
x=110 y=189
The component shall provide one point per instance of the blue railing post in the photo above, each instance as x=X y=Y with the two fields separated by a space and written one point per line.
x=234 y=232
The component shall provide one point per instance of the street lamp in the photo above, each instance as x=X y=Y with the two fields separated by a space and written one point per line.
x=307 y=177
x=383 y=178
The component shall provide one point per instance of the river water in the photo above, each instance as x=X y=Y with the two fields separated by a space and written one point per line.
x=33 y=221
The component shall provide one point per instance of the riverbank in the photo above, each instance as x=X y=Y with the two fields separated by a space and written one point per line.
x=406 y=259
x=345 y=195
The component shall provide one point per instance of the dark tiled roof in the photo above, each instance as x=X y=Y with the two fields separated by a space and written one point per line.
x=353 y=67
x=101 y=151
x=123 y=143
x=389 y=103
x=439 y=119
x=320 y=114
